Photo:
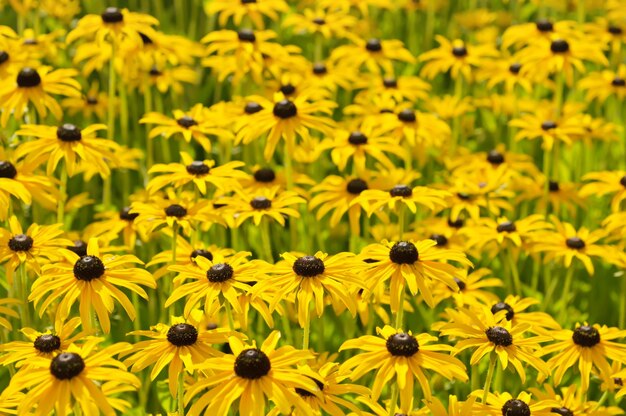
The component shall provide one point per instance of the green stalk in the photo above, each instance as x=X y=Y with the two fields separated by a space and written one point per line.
x=265 y=240
x=401 y=221
x=24 y=292
x=63 y=194
x=400 y=313
x=110 y=120
x=393 y=400
x=569 y=276
x=181 y=392
x=517 y=284
x=492 y=366
x=307 y=332
x=229 y=313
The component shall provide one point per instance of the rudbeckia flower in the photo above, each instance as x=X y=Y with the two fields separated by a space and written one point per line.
x=514 y=306
x=605 y=183
x=39 y=244
x=198 y=172
x=42 y=344
x=415 y=265
x=74 y=145
x=504 y=404
x=265 y=178
x=403 y=355
x=590 y=346
x=602 y=85
x=330 y=23
x=72 y=379
x=455 y=407
x=216 y=281
x=36 y=86
x=374 y=54
x=403 y=195
x=94 y=103
x=310 y=278
x=471 y=289
x=550 y=129
x=457 y=57
x=287 y=119
x=113 y=25
x=93 y=281
x=252 y=376
x=484 y=331
x=180 y=346
x=399 y=89
x=571 y=401
x=269 y=203
x=256 y=11
x=542 y=29
x=116 y=223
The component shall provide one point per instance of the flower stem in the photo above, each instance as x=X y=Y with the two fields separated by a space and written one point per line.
x=110 y=120
x=569 y=275
x=181 y=392
x=492 y=367
x=229 y=313
x=63 y=194
x=393 y=400
x=517 y=284
x=622 y=311
x=307 y=332
x=400 y=313
x=401 y=221
x=24 y=289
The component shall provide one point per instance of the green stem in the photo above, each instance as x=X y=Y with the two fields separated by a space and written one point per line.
x=229 y=313
x=265 y=239
x=517 y=284
x=25 y=290
x=400 y=313
x=307 y=332
x=394 y=399
x=492 y=366
x=401 y=221
x=173 y=242
x=622 y=311
x=147 y=102
x=181 y=392
x=569 y=276
x=63 y=194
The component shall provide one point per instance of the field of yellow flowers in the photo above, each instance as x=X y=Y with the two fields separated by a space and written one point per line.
x=313 y=207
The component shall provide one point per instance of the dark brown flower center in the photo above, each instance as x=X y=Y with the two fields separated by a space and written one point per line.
x=21 y=242
x=459 y=51
x=197 y=168
x=403 y=191
x=67 y=365
x=515 y=407
x=47 y=343
x=390 y=82
x=495 y=158
x=515 y=67
x=461 y=284
x=246 y=35
x=548 y=125
x=7 y=170
x=287 y=89
x=88 y=268
x=4 y=56
x=402 y=345
x=202 y=253
x=503 y=306
x=506 y=226
x=182 y=335
x=79 y=247
x=175 y=210
x=319 y=68
x=403 y=252
x=356 y=186
x=559 y=46
x=186 y=122
x=252 y=364
x=252 y=107
x=407 y=116
x=308 y=266
x=126 y=215
x=458 y=223
x=544 y=25
x=622 y=181
x=615 y=30
x=319 y=21
x=563 y=411
x=553 y=186
x=220 y=272
x=285 y=109
x=28 y=77
x=265 y=175
x=261 y=202
x=357 y=138
x=575 y=242
x=618 y=82
x=586 y=336
x=499 y=336
x=112 y=15
x=440 y=239
x=306 y=393
x=374 y=45
x=69 y=133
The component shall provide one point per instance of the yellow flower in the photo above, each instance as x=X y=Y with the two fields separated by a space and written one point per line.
x=403 y=355
x=606 y=182
x=93 y=281
x=374 y=54
x=457 y=57
x=329 y=23
x=253 y=10
x=268 y=203
x=601 y=85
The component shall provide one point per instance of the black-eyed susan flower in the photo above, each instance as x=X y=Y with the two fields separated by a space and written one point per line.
x=310 y=279
x=589 y=346
x=252 y=376
x=174 y=212
x=256 y=11
x=180 y=346
x=41 y=344
x=606 y=183
x=72 y=378
x=265 y=203
x=471 y=289
x=186 y=253
x=367 y=141
x=331 y=23
x=514 y=307
x=94 y=103
x=566 y=243
x=405 y=356
x=570 y=400
x=404 y=195
x=73 y=145
x=400 y=89
x=506 y=404
x=455 y=407
x=264 y=178
x=550 y=129
x=216 y=281
x=36 y=87
x=457 y=57
x=288 y=119
x=483 y=331
x=542 y=29
x=116 y=223
x=113 y=25
x=39 y=244
x=412 y=264
x=601 y=85
x=93 y=281
x=374 y=54
x=200 y=173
